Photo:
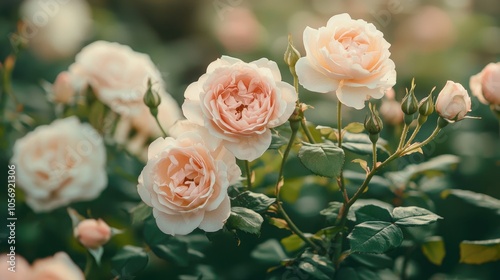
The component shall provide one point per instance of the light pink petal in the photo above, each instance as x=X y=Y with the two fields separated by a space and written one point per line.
x=312 y=79
x=271 y=65
x=355 y=97
x=193 y=91
x=333 y=21
x=221 y=62
x=177 y=224
x=143 y=192
x=156 y=147
x=288 y=99
x=476 y=87
x=192 y=111
x=250 y=148
x=214 y=220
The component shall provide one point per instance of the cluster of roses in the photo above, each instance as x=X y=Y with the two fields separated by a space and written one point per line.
x=230 y=112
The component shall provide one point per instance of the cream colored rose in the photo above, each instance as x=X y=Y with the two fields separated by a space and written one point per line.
x=239 y=102
x=453 y=102
x=60 y=163
x=486 y=84
x=58 y=267
x=118 y=75
x=63 y=90
x=185 y=181
x=92 y=233
x=55 y=29
x=350 y=57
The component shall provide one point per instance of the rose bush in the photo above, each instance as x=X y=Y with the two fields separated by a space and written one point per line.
x=239 y=102
x=60 y=163
x=185 y=181
x=348 y=57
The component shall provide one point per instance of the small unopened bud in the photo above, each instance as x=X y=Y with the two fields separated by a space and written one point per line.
x=373 y=123
x=291 y=56
x=426 y=105
x=152 y=99
x=409 y=105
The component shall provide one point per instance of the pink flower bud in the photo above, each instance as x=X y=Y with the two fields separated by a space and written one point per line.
x=92 y=233
x=391 y=112
x=453 y=102
x=486 y=84
x=62 y=89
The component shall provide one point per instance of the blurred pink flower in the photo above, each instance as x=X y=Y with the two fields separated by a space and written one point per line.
x=350 y=57
x=60 y=163
x=486 y=84
x=239 y=102
x=58 y=267
x=239 y=31
x=185 y=181
x=430 y=29
x=14 y=267
x=63 y=90
x=390 y=110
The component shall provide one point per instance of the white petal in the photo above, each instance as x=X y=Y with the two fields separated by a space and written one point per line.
x=192 y=111
x=355 y=97
x=177 y=224
x=271 y=65
x=214 y=220
x=312 y=79
x=250 y=148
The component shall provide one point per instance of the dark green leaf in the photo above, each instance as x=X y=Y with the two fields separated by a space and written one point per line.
x=332 y=211
x=377 y=261
x=245 y=219
x=324 y=159
x=255 y=201
x=375 y=237
x=413 y=216
x=433 y=249
x=372 y=212
x=361 y=144
x=478 y=252
x=269 y=252
x=435 y=165
x=140 y=212
x=319 y=267
x=174 y=251
x=476 y=199
x=129 y=260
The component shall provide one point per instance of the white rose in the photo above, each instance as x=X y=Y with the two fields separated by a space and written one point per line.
x=118 y=75
x=60 y=163
x=349 y=57
x=55 y=29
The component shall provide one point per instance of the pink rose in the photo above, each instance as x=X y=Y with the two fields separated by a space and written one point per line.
x=14 y=267
x=350 y=57
x=117 y=74
x=486 y=84
x=92 y=233
x=63 y=90
x=58 y=267
x=239 y=102
x=453 y=102
x=185 y=181
x=60 y=163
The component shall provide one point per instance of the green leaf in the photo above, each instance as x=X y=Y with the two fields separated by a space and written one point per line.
x=175 y=251
x=319 y=267
x=96 y=254
x=375 y=237
x=331 y=212
x=439 y=164
x=324 y=159
x=129 y=260
x=255 y=201
x=478 y=252
x=269 y=252
x=476 y=199
x=413 y=216
x=245 y=219
x=375 y=261
x=361 y=144
x=140 y=212
x=293 y=242
x=372 y=212
x=355 y=127
x=279 y=223
x=433 y=249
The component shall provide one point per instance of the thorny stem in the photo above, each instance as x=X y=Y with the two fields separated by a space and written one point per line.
x=280 y=182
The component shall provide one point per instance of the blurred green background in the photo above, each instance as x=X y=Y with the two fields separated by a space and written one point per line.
x=432 y=41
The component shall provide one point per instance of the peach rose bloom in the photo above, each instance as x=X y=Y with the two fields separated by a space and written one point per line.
x=239 y=102
x=118 y=75
x=486 y=84
x=63 y=90
x=58 y=267
x=60 y=163
x=55 y=29
x=185 y=181
x=20 y=271
x=92 y=233
x=348 y=57
x=453 y=102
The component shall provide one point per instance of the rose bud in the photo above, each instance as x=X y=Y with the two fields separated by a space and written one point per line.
x=453 y=102
x=92 y=233
x=486 y=84
x=62 y=90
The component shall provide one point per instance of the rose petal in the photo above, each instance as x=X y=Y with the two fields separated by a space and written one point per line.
x=214 y=220
x=177 y=224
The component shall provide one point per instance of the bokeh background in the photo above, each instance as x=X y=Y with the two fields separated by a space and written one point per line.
x=432 y=41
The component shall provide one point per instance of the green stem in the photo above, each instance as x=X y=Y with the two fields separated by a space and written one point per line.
x=413 y=135
x=280 y=182
x=159 y=125
x=429 y=139
x=374 y=152
x=88 y=265
x=339 y=122
x=248 y=173
x=308 y=134
x=403 y=136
